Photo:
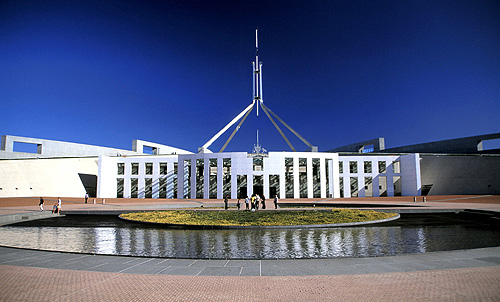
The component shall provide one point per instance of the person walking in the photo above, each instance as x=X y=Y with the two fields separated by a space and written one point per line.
x=238 y=204
x=247 y=203
x=40 y=204
x=276 y=202
x=225 y=203
x=263 y=202
x=257 y=201
x=86 y=197
x=59 y=205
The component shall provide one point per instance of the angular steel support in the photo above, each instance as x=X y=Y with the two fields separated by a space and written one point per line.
x=277 y=127
x=237 y=118
x=313 y=148
x=235 y=130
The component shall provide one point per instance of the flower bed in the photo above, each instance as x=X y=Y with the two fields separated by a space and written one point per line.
x=258 y=218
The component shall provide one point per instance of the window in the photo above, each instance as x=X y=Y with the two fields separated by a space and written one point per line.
x=368 y=166
x=353 y=167
x=316 y=178
x=212 y=190
x=148 y=189
x=289 y=177
x=149 y=168
x=354 y=187
x=134 y=187
x=121 y=168
x=303 y=177
x=119 y=188
x=368 y=187
x=381 y=167
x=135 y=169
x=258 y=163
x=200 y=177
x=226 y=178
x=163 y=168
x=341 y=167
x=396 y=167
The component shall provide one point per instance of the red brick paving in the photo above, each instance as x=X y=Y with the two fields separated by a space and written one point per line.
x=33 y=201
x=36 y=284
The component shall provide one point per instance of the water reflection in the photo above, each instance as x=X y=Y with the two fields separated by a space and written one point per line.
x=250 y=244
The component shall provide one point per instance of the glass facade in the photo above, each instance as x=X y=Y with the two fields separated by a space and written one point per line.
x=226 y=177
x=353 y=167
x=242 y=186
x=288 y=177
x=200 y=177
x=354 y=187
x=148 y=188
x=119 y=187
x=212 y=191
x=316 y=178
x=135 y=169
x=149 y=168
x=121 y=168
x=187 y=178
x=368 y=166
x=303 y=177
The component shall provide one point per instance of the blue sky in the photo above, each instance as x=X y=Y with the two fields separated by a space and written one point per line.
x=175 y=72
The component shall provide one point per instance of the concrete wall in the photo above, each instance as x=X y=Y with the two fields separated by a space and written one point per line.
x=45 y=177
x=460 y=174
x=50 y=148
x=158 y=149
x=465 y=145
x=378 y=145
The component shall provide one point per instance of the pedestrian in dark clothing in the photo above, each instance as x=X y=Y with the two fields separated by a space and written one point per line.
x=238 y=204
x=41 y=204
x=276 y=202
x=263 y=202
x=225 y=203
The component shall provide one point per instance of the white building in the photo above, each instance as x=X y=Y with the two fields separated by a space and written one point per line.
x=237 y=175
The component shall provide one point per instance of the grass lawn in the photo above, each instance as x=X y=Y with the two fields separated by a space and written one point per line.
x=258 y=218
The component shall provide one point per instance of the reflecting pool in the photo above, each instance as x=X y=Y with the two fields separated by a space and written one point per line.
x=109 y=235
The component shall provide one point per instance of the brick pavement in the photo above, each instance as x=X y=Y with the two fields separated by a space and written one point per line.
x=21 y=283
x=36 y=284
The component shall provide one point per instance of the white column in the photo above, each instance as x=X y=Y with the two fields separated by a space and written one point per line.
x=250 y=184
x=180 y=178
x=322 y=177
x=234 y=184
x=266 y=185
x=347 y=185
x=309 y=177
x=220 y=178
x=206 y=178
x=296 y=182
x=361 y=185
x=156 y=179
x=193 y=178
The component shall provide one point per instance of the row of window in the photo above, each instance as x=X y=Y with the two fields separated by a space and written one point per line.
x=367 y=167
x=148 y=168
x=258 y=165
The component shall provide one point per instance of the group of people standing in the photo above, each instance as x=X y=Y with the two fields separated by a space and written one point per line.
x=253 y=202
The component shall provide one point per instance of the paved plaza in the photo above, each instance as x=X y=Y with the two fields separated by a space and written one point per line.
x=467 y=275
